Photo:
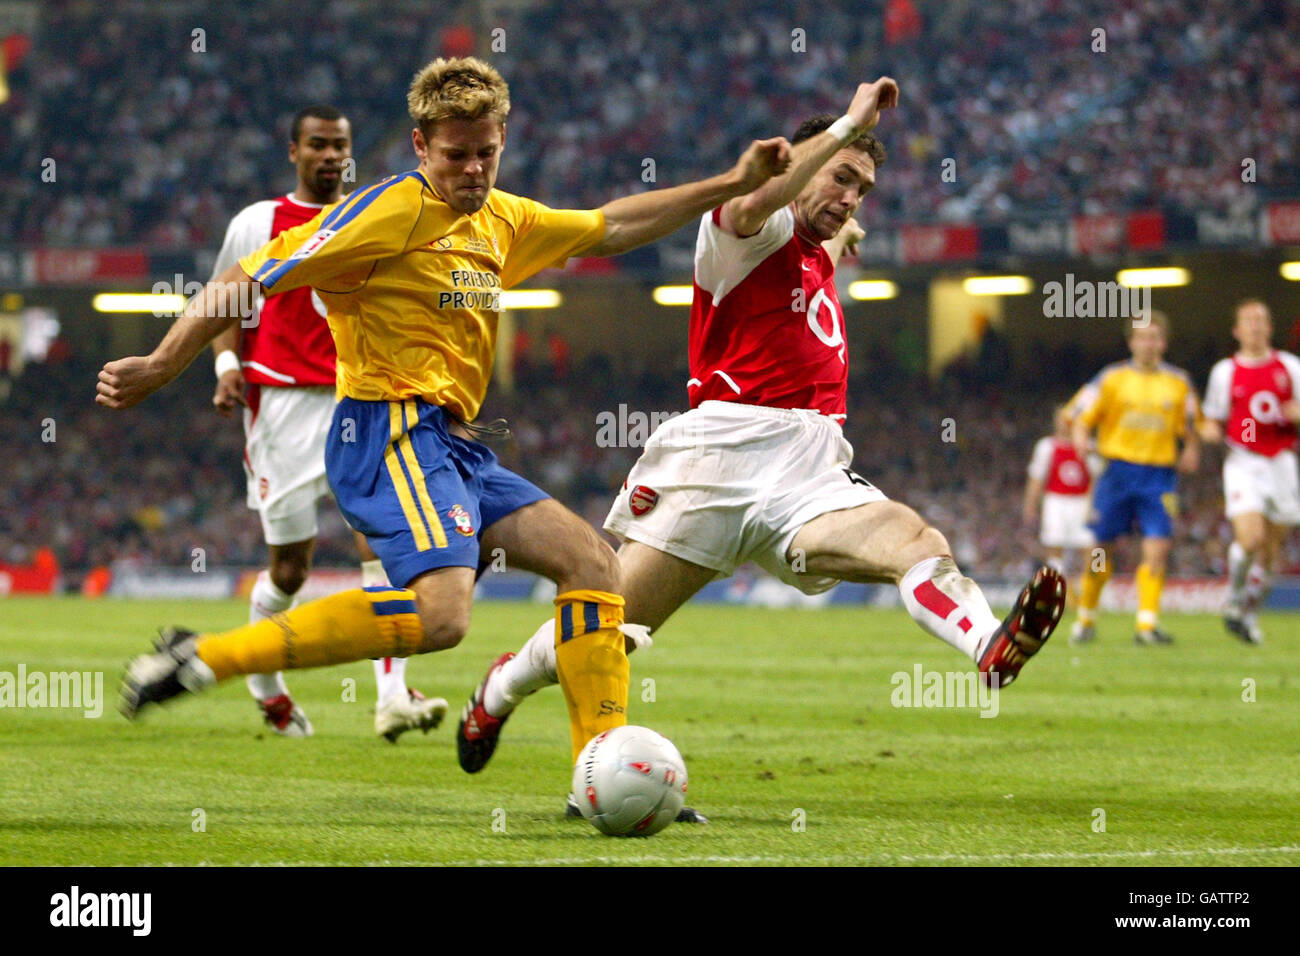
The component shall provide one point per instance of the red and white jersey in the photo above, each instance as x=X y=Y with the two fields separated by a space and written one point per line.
x=1247 y=396
x=290 y=342
x=1058 y=466
x=766 y=324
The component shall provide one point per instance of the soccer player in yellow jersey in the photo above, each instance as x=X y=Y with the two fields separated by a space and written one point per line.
x=1141 y=410
x=411 y=270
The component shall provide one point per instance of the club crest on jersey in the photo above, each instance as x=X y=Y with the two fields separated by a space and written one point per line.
x=642 y=499
x=464 y=525
x=313 y=244
x=263 y=487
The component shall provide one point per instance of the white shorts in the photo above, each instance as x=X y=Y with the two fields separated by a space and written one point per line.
x=727 y=483
x=1257 y=484
x=284 y=459
x=1065 y=521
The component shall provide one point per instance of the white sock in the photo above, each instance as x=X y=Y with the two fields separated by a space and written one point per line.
x=265 y=601
x=1258 y=583
x=390 y=676
x=948 y=605
x=528 y=671
x=390 y=672
x=372 y=574
x=1238 y=569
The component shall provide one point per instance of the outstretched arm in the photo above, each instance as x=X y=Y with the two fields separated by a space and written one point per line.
x=129 y=381
x=745 y=216
x=635 y=220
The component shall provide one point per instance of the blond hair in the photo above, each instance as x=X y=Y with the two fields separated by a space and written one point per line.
x=463 y=88
x=1156 y=318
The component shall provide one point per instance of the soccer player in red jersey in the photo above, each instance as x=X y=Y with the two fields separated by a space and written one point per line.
x=758 y=469
x=281 y=370
x=1253 y=404
x=1056 y=494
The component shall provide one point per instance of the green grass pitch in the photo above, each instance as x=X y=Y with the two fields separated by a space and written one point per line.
x=784 y=717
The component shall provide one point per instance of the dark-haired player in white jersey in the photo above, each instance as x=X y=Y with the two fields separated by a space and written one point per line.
x=1252 y=404
x=281 y=370
x=758 y=470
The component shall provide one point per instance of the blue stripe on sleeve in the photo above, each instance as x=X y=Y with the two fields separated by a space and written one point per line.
x=340 y=217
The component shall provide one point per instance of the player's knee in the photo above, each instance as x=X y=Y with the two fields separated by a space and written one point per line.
x=924 y=542
x=443 y=630
x=288 y=575
x=594 y=567
x=1251 y=541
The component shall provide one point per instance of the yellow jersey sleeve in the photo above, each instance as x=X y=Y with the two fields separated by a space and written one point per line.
x=336 y=250
x=1080 y=401
x=1093 y=399
x=545 y=238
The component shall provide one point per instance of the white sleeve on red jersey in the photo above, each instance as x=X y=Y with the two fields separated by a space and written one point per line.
x=1041 y=460
x=248 y=231
x=722 y=260
x=1292 y=365
x=1218 y=393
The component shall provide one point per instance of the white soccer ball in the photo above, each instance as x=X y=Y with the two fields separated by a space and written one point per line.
x=630 y=781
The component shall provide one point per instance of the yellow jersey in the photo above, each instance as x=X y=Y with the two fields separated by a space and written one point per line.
x=1139 y=415
x=413 y=288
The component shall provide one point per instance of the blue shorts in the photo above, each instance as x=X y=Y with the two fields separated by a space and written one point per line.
x=421 y=496
x=1127 y=495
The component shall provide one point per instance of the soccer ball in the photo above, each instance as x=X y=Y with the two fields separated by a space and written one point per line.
x=630 y=781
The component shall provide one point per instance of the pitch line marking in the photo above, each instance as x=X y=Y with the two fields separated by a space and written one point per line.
x=774 y=858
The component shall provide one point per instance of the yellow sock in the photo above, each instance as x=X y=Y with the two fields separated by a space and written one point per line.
x=591 y=662
x=1090 y=591
x=1149 y=586
x=349 y=626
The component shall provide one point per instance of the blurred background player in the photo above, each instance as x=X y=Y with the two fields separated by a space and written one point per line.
x=1251 y=404
x=1057 y=496
x=759 y=469
x=1140 y=409
x=281 y=370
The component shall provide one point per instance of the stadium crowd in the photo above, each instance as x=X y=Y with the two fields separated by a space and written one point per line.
x=145 y=492
x=159 y=144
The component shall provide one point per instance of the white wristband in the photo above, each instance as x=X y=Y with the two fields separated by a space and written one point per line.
x=228 y=361
x=844 y=129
